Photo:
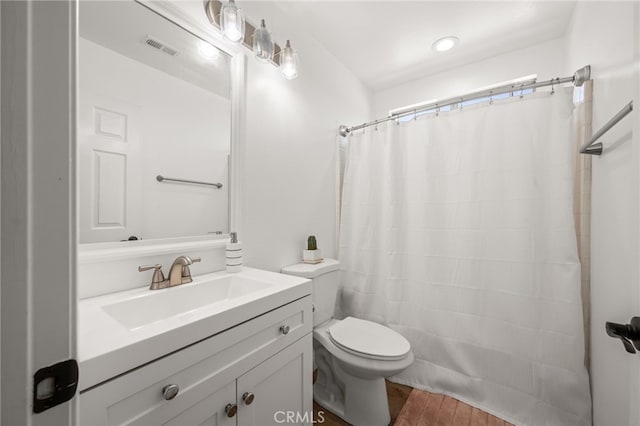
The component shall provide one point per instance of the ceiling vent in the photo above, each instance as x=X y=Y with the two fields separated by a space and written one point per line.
x=160 y=45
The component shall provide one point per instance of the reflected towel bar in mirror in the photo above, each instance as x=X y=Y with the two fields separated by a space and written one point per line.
x=161 y=178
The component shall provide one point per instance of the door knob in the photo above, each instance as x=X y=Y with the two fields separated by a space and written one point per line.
x=629 y=334
x=231 y=410
x=248 y=397
x=284 y=329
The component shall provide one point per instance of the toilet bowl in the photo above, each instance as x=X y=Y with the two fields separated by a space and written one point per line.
x=354 y=388
x=352 y=356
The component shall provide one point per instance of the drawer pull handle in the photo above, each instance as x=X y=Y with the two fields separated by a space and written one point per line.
x=248 y=397
x=170 y=391
x=284 y=329
x=231 y=410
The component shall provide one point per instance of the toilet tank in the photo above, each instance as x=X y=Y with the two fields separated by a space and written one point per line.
x=325 y=277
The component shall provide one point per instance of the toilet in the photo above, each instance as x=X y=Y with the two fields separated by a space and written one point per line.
x=353 y=356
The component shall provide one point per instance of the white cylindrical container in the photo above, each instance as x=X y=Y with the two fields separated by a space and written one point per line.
x=233 y=258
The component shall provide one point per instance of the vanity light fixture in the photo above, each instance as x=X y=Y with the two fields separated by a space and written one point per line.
x=445 y=43
x=289 y=62
x=263 y=46
x=232 y=22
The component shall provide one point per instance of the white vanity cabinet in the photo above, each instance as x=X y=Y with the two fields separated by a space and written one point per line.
x=250 y=374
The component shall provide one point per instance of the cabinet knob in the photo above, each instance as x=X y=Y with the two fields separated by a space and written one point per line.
x=231 y=410
x=170 y=391
x=248 y=397
x=284 y=329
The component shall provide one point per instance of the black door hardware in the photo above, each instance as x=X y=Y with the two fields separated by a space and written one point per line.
x=54 y=385
x=627 y=333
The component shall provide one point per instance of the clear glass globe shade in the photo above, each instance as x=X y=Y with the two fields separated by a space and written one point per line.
x=263 y=46
x=289 y=63
x=232 y=22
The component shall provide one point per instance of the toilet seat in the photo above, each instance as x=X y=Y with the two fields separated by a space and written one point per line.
x=368 y=339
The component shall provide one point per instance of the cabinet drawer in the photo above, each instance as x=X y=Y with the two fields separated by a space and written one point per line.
x=201 y=370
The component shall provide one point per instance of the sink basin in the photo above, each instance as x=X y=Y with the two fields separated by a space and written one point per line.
x=159 y=305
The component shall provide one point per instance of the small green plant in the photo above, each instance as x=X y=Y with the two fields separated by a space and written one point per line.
x=311 y=243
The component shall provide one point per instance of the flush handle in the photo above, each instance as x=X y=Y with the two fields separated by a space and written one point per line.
x=231 y=410
x=170 y=391
x=284 y=329
x=248 y=397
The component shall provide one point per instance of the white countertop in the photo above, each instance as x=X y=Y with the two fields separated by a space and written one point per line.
x=107 y=348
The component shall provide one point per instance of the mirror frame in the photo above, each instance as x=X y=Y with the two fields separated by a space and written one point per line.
x=200 y=27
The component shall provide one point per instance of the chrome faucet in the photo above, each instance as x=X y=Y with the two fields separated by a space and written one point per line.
x=178 y=274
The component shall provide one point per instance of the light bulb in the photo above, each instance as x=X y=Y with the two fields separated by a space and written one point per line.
x=289 y=62
x=232 y=22
x=207 y=51
x=263 y=43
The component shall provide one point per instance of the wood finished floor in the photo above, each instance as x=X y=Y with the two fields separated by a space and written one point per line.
x=412 y=407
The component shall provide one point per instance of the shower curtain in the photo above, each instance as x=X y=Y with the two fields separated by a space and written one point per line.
x=458 y=232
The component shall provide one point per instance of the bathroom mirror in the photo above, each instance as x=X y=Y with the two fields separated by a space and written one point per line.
x=154 y=127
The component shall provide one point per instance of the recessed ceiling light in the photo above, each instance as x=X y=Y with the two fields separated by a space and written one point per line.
x=445 y=43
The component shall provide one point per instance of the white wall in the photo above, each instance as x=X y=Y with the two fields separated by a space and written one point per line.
x=602 y=34
x=545 y=59
x=290 y=163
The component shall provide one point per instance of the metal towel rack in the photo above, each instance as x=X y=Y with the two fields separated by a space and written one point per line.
x=593 y=148
x=161 y=178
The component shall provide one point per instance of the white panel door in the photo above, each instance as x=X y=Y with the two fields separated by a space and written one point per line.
x=109 y=168
x=38 y=205
x=279 y=390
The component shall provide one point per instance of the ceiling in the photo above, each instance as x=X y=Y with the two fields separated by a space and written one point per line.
x=386 y=43
x=135 y=23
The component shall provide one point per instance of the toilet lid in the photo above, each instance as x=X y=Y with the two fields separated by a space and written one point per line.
x=369 y=339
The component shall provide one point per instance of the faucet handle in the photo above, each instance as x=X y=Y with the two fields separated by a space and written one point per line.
x=158 y=276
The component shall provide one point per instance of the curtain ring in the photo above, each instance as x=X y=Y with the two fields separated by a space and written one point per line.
x=437 y=111
x=553 y=89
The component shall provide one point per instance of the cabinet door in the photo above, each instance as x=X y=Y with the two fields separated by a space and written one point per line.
x=209 y=411
x=281 y=388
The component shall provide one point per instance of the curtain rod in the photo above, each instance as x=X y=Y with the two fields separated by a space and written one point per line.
x=578 y=79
